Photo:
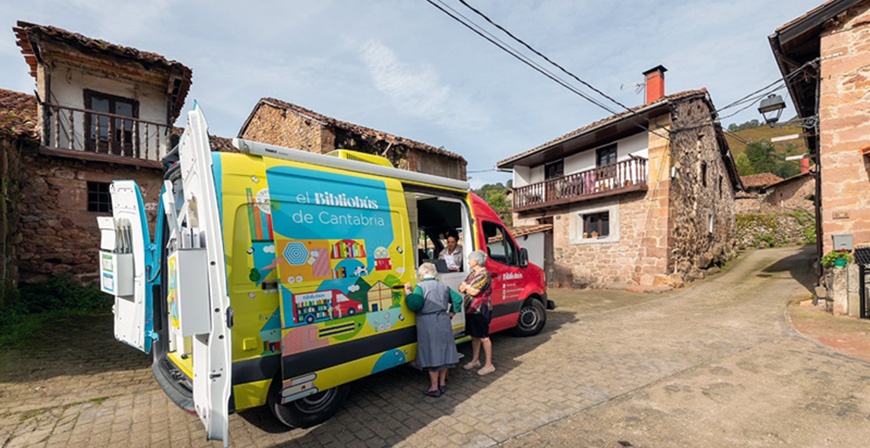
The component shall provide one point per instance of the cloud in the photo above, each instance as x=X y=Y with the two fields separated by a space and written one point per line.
x=416 y=90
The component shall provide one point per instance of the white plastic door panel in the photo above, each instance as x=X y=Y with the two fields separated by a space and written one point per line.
x=133 y=313
x=212 y=351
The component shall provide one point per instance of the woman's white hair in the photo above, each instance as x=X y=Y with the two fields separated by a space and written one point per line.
x=427 y=270
x=479 y=257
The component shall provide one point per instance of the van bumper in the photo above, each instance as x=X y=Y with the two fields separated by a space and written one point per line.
x=551 y=305
x=174 y=383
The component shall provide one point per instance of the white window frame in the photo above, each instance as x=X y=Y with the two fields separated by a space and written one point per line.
x=577 y=214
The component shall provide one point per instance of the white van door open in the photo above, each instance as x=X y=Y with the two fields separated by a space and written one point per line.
x=198 y=265
x=124 y=257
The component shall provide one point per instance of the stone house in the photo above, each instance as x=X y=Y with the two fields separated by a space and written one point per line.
x=101 y=112
x=284 y=124
x=824 y=57
x=642 y=198
x=767 y=193
x=758 y=183
x=796 y=192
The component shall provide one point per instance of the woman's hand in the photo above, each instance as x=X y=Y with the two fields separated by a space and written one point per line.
x=463 y=287
x=452 y=314
x=408 y=289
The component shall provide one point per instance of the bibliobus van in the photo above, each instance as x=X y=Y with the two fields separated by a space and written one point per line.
x=275 y=276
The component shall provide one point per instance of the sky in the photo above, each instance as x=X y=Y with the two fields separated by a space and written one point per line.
x=404 y=67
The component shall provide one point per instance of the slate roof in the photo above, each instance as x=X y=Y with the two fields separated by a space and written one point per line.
x=29 y=34
x=18 y=114
x=362 y=131
x=762 y=180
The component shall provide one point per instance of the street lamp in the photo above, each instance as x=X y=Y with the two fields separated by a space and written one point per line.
x=771 y=109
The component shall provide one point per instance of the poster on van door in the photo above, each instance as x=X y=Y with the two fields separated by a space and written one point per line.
x=339 y=255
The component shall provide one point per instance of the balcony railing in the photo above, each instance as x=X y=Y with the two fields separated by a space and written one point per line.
x=606 y=180
x=103 y=136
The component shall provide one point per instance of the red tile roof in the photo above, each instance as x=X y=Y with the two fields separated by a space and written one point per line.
x=29 y=34
x=364 y=132
x=790 y=179
x=18 y=114
x=221 y=144
x=528 y=230
x=609 y=120
x=762 y=180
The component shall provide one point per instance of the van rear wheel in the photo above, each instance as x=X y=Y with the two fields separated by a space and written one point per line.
x=308 y=411
x=532 y=318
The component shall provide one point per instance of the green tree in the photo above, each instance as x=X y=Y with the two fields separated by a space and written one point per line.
x=498 y=202
x=762 y=156
x=743 y=165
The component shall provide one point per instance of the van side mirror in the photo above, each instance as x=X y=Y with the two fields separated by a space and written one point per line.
x=524 y=257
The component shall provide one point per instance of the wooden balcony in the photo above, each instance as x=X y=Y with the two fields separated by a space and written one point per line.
x=607 y=180
x=90 y=135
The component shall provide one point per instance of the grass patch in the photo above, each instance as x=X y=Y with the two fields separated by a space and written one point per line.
x=60 y=298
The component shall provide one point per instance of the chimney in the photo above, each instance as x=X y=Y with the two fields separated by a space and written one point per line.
x=805 y=165
x=655 y=83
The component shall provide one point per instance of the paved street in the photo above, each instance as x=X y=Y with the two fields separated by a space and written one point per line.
x=713 y=365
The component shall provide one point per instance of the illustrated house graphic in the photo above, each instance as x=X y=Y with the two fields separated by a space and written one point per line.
x=380 y=297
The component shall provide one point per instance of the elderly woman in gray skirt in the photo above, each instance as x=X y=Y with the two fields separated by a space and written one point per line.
x=435 y=304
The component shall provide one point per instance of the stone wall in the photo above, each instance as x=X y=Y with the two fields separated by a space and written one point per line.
x=787 y=228
x=844 y=124
x=796 y=194
x=281 y=127
x=702 y=196
x=621 y=261
x=10 y=148
x=56 y=232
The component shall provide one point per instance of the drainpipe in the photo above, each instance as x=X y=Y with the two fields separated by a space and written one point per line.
x=818 y=176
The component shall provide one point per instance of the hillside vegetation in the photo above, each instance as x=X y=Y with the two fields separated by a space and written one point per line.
x=760 y=155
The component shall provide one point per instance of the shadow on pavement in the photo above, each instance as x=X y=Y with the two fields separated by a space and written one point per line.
x=799 y=266
x=391 y=405
x=80 y=345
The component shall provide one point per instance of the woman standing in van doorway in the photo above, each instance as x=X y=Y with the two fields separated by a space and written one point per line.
x=452 y=254
x=434 y=302
x=478 y=308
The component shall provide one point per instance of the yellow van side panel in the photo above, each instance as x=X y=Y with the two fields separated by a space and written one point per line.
x=316 y=263
x=251 y=395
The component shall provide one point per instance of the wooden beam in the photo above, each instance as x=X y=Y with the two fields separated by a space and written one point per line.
x=94 y=157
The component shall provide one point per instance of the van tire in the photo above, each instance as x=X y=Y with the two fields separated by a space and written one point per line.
x=309 y=411
x=532 y=318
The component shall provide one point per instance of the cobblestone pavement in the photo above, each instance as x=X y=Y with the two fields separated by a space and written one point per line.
x=714 y=365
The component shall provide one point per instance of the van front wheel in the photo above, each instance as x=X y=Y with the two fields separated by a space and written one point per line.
x=532 y=318
x=307 y=411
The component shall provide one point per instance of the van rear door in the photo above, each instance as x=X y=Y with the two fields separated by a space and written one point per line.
x=125 y=258
x=211 y=321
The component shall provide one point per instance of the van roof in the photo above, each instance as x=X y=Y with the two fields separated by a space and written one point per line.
x=279 y=152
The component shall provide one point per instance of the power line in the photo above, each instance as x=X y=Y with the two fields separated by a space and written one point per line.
x=543 y=56
x=468 y=23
